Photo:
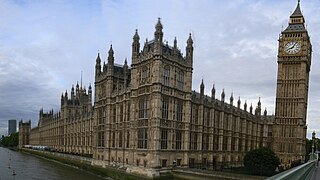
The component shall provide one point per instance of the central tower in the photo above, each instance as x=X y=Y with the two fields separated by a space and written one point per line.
x=294 y=61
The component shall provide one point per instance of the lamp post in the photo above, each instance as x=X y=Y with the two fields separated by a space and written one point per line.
x=313 y=139
x=312 y=155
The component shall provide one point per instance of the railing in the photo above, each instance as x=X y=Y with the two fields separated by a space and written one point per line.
x=302 y=172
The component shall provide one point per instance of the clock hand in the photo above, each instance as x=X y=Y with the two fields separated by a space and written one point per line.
x=293 y=46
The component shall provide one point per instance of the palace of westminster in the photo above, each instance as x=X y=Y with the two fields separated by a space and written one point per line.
x=146 y=116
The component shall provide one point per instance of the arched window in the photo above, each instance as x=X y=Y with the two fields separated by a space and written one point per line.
x=166 y=76
x=144 y=74
x=180 y=80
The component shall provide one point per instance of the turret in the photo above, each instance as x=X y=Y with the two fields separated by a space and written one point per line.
x=258 y=110
x=72 y=93
x=239 y=103
x=245 y=106
x=84 y=91
x=98 y=65
x=251 y=108
x=89 y=98
x=77 y=90
x=110 y=62
x=125 y=65
x=158 y=38
x=145 y=47
x=135 y=46
x=222 y=95
x=40 y=113
x=66 y=95
x=189 y=50
x=175 y=47
x=104 y=68
x=125 y=72
x=110 y=56
x=265 y=112
x=213 y=93
x=62 y=99
x=231 y=99
x=201 y=90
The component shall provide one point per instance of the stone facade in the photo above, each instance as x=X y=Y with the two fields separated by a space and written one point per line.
x=70 y=129
x=147 y=117
x=24 y=133
x=294 y=61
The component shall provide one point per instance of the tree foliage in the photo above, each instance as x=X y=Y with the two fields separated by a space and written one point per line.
x=309 y=143
x=10 y=141
x=262 y=161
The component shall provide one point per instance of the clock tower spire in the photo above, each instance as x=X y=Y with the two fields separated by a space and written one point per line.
x=294 y=61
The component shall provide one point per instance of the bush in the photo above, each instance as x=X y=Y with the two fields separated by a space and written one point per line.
x=262 y=161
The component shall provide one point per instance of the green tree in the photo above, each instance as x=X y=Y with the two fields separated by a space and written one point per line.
x=10 y=141
x=309 y=143
x=262 y=161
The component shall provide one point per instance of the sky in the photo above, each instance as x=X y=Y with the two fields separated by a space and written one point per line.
x=44 y=46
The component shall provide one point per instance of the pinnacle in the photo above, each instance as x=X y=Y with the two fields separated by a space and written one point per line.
x=297 y=11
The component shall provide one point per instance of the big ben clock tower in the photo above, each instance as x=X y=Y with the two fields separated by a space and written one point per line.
x=294 y=61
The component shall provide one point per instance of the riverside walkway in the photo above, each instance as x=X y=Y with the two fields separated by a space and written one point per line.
x=316 y=174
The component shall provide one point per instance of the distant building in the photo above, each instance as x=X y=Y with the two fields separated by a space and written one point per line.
x=24 y=133
x=12 y=126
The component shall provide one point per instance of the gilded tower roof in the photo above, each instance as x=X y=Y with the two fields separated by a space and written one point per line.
x=296 y=22
x=297 y=12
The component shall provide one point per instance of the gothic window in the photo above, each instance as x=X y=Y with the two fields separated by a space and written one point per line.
x=196 y=115
x=163 y=163
x=144 y=107
x=120 y=139
x=179 y=110
x=101 y=127
x=164 y=139
x=233 y=143
x=143 y=138
x=101 y=138
x=225 y=123
x=205 y=142
x=234 y=123
x=166 y=76
x=128 y=110
x=165 y=107
x=269 y=131
x=121 y=113
x=180 y=80
x=208 y=117
x=144 y=74
x=100 y=116
x=224 y=143
x=128 y=139
x=178 y=139
x=114 y=114
x=113 y=139
x=193 y=141
x=103 y=91
x=240 y=144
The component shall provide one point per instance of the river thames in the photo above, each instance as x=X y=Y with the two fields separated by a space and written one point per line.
x=30 y=167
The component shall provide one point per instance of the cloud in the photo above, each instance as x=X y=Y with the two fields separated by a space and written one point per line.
x=44 y=45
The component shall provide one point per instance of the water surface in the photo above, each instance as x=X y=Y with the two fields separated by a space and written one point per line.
x=30 y=167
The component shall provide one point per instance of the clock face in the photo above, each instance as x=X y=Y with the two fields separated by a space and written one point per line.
x=292 y=47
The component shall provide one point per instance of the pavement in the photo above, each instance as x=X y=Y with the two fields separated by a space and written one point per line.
x=316 y=174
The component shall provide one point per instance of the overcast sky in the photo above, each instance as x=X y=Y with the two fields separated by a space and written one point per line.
x=44 y=46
